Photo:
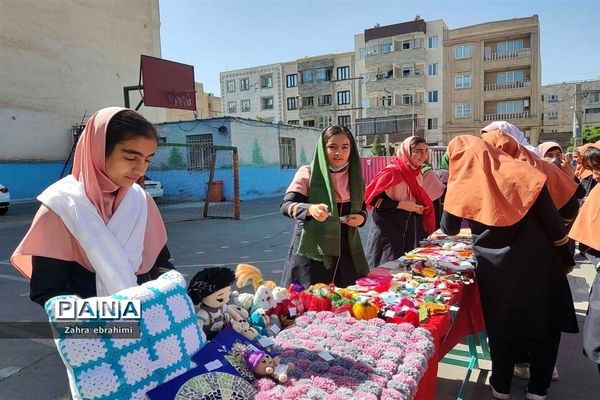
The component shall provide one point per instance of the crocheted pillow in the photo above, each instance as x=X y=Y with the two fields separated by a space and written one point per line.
x=109 y=368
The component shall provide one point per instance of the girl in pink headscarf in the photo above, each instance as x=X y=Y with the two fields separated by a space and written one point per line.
x=97 y=231
x=403 y=212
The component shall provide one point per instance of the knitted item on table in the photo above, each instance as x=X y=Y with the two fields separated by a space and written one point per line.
x=107 y=368
x=371 y=359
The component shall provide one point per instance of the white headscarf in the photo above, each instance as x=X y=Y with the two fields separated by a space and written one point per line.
x=513 y=131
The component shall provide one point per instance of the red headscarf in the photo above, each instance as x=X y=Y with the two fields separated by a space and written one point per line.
x=487 y=185
x=402 y=170
x=561 y=187
x=48 y=235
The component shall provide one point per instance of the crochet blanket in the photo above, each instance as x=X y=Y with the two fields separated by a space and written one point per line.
x=106 y=368
x=338 y=357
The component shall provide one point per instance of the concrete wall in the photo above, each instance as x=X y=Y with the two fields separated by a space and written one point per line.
x=61 y=59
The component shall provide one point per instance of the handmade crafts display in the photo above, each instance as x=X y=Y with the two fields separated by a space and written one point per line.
x=114 y=369
x=339 y=357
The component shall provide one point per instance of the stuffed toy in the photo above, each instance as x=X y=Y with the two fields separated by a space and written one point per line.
x=262 y=364
x=210 y=290
x=263 y=297
x=245 y=329
x=243 y=300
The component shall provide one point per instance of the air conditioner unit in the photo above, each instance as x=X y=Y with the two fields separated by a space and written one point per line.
x=526 y=103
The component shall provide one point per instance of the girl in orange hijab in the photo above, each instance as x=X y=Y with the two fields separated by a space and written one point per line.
x=519 y=242
x=97 y=231
x=403 y=212
x=585 y=230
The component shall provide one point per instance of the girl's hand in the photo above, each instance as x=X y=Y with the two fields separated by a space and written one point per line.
x=353 y=220
x=411 y=206
x=320 y=212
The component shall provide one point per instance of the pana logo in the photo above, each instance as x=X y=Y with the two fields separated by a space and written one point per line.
x=96 y=308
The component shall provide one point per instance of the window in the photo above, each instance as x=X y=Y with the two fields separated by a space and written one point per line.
x=386 y=101
x=361 y=53
x=408 y=44
x=231 y=107
x=245 y=105
x=432 y=42
x=266 y=81
x=432 y=69
x=594 y=97
x=432 y=123
x=324 y=121
x=508 y=107
x=343 y=73
x=553 y=115
x=323 y=74
x=408 y=71
x=292 y=103
x=325 y=100
x=344 y=120
x=245 y=84
x=199 y=154
x=510 y=46
x=509 y=77
x=309 y=122
x=462 y=110
x=462 y=81
x=287 y=152
x=387 y=47
x=552 y=98
x=230 y=86
x=432 y=96
x=462 y=51
x=308 y=101
x=307 y=76
x=407 y=99
x=592 y=111
x=266 y=103
x=343 y=97
x=293 y=122
x=291 y=80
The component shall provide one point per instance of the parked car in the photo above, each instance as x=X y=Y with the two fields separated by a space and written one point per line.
x=4 y=199
x=155 y=188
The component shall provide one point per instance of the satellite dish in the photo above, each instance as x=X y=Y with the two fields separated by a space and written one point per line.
x=222 y=129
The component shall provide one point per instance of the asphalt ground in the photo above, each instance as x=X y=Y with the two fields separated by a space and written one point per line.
x=30 y=369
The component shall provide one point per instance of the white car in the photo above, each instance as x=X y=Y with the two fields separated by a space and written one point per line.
x=4 y=199
x=154 y=188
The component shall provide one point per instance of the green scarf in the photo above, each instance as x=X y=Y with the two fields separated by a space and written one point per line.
x=320 y=241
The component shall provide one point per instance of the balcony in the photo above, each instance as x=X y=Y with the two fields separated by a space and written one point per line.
x=504 y=56
x=506 y=86
x=508 y=116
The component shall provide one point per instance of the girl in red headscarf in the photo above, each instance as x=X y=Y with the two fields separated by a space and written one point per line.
x=403 y=212
x=97 y=231
x=520 y=244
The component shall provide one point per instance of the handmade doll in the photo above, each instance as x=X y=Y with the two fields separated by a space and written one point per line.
x=262 y=364
x=263 y=297
x=210 y=290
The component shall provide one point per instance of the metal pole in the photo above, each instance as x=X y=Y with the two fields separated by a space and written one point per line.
x=413 y=114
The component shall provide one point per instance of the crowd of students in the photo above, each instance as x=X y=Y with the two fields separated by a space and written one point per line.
x=98 y=232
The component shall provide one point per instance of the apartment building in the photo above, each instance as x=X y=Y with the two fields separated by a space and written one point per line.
x=401 y=70
x=493 y=72
x=207 y=106
x=312 y=91
x=414 y=77
x=564 y=102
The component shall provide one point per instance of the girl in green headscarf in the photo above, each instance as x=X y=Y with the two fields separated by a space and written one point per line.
x=327 y=201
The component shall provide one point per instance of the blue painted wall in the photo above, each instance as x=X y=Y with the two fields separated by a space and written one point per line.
x=27 y=180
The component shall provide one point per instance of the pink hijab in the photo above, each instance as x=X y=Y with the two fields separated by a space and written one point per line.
x=544 y=147
x=48 y=235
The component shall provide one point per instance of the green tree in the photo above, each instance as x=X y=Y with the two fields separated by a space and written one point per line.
x=591 y=135
x=302 y=156
x=257 y=157
x=377 y=149
x=176 y=159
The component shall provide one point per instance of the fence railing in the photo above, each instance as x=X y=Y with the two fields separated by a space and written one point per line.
x=505 y=86
x=507 y=116
x=509 y=54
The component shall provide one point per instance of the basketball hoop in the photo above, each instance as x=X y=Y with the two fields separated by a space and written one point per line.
x=181 y=98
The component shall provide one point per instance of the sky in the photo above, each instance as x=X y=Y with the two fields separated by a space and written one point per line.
x=221 y=35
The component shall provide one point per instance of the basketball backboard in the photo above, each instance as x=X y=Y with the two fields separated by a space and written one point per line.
x=167 y=83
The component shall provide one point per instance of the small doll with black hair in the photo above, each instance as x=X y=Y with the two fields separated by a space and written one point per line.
x=210 y=291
